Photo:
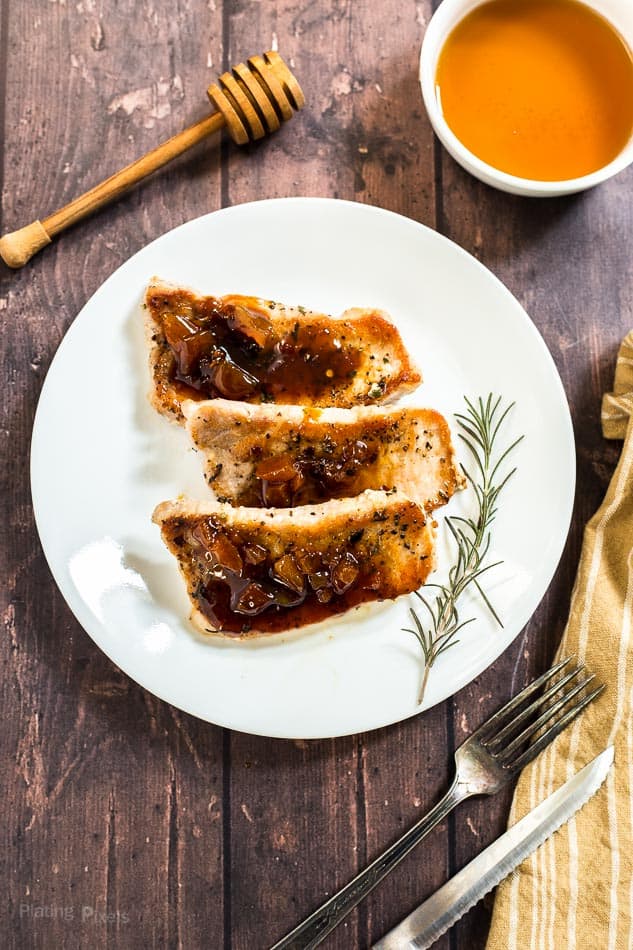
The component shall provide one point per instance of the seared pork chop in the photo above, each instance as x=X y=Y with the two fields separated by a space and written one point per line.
x=254 y=350
x=278 y=456
x=255 y=571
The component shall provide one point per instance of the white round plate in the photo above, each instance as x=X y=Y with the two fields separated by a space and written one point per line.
x=102 y=459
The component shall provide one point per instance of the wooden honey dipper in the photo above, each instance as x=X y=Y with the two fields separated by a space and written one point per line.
x=253 y=100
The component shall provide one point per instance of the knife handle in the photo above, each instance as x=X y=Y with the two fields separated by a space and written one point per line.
x=322 y=921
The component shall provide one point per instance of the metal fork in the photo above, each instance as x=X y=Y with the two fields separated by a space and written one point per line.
x=489 y=759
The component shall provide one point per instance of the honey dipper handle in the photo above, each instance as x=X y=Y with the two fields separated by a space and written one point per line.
x=18 y=247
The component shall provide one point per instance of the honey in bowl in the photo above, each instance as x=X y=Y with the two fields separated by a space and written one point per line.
x=540 y=89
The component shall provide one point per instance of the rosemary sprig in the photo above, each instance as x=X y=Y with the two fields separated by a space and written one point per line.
x=479 y=425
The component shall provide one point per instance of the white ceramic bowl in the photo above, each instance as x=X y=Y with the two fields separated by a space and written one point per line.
x=618 y=12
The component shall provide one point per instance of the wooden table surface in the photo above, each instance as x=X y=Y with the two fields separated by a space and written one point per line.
x=125 y=822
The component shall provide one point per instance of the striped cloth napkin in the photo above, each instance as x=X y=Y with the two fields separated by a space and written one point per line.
x=576 y=891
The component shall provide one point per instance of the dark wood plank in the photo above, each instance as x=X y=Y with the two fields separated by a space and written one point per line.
x=406 y=768
x=115 y=800
x=296 y=833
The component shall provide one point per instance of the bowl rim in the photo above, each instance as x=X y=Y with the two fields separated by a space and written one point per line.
x=444 y=19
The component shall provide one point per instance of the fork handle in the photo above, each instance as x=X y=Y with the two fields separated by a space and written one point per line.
x=322 y=921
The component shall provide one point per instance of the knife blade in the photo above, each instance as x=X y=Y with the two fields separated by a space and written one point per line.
x=444 y=908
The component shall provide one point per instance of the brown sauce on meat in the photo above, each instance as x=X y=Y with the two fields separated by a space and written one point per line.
x=313 y=475
x=239 y=580
x=234 y=351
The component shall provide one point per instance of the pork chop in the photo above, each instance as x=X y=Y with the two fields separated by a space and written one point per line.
x=278 y=456
x=244 y=348
x=254 y=571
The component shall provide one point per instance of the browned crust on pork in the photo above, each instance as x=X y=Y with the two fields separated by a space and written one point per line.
x=385 y=373
x=411 y=447
x=389 y=534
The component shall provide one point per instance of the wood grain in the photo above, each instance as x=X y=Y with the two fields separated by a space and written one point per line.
x=235 y=113
x=115 y=801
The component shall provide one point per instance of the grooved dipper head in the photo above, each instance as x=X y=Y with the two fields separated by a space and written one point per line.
x=256 y=98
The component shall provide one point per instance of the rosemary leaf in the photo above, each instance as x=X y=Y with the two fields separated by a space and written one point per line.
x=480 y=425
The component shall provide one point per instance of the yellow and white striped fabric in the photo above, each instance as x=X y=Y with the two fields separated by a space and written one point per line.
x=576 y=891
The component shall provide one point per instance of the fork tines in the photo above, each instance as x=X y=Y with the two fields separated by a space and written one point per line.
x=510 y=730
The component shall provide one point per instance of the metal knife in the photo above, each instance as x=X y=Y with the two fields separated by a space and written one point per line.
x=438 y=914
